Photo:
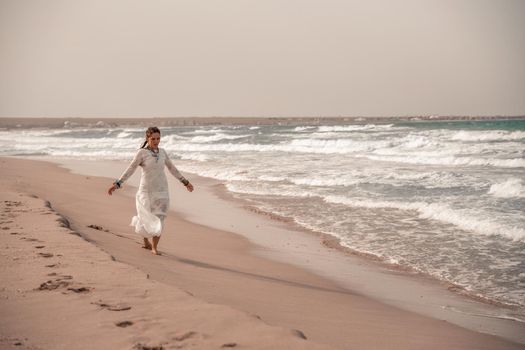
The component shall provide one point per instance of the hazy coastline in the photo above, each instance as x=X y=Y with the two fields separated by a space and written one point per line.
x=50 y=122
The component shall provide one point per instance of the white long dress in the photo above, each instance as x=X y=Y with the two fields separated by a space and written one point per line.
x=152 y=198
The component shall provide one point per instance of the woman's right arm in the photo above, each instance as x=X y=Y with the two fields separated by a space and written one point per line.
x=128 y=172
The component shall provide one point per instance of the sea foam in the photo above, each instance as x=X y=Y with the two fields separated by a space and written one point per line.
x=509 y=188
x=216 y=137
x=489 y=135
x=355 y=127
x=441 y=212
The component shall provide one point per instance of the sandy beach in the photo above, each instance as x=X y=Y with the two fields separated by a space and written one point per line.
x=323 y=175
x=74 y=276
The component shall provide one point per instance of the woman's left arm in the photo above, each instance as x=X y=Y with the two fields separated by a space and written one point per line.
x=175 y=172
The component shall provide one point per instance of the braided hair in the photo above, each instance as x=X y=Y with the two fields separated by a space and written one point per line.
x=151 y=130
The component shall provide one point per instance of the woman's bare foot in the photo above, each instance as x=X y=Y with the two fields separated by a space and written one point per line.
x=147 y=244
x=155 y=240
x=155 y=251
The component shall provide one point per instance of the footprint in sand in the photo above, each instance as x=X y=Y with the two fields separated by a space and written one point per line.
x=63 y=222
x=80 y=289
x=298 y=333
x=97 y=227
x=52 y=285
x=61 y=281
x=141 y=346
x=112 y=307
x=62 y=277
x=185 y=336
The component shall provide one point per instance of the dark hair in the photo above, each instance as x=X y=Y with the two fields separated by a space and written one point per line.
x=151 y=130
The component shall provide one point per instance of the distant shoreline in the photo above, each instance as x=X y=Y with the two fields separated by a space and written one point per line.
x=28 y=122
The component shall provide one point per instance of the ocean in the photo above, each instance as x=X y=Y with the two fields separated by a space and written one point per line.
x=443 y=198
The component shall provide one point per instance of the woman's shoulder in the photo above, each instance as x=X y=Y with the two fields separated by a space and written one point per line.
x=141 y=151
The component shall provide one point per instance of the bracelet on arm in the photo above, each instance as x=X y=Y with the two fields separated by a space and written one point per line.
x=184 y=182
x=118 y=183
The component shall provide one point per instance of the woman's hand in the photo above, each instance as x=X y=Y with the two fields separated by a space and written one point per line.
x=111 y=189
x=189 y=187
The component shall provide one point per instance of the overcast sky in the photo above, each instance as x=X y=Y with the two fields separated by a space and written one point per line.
x=128 y=58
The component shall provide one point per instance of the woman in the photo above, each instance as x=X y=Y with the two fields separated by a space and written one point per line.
x=152 y=199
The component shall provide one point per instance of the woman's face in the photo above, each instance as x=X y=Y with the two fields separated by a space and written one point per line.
x=154 y=140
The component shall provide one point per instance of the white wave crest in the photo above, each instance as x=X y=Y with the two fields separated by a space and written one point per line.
x=272 y=191
x=412 y=141
x=225 y=147
x=193 y=156
x=123 y=134
x=225 y=175
x=173 y=138
x=342 y=181
x=433 y=179
x=38 y=132
x=451 y=160
x=489 y=135
x=216 y=137
x=334 y=146
x=271 y=178
x=509 y=188
x=206 y=131
x=355 y=127
x=426 y=179
x=440 y=212
x=339 y=146
x=304 y=128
